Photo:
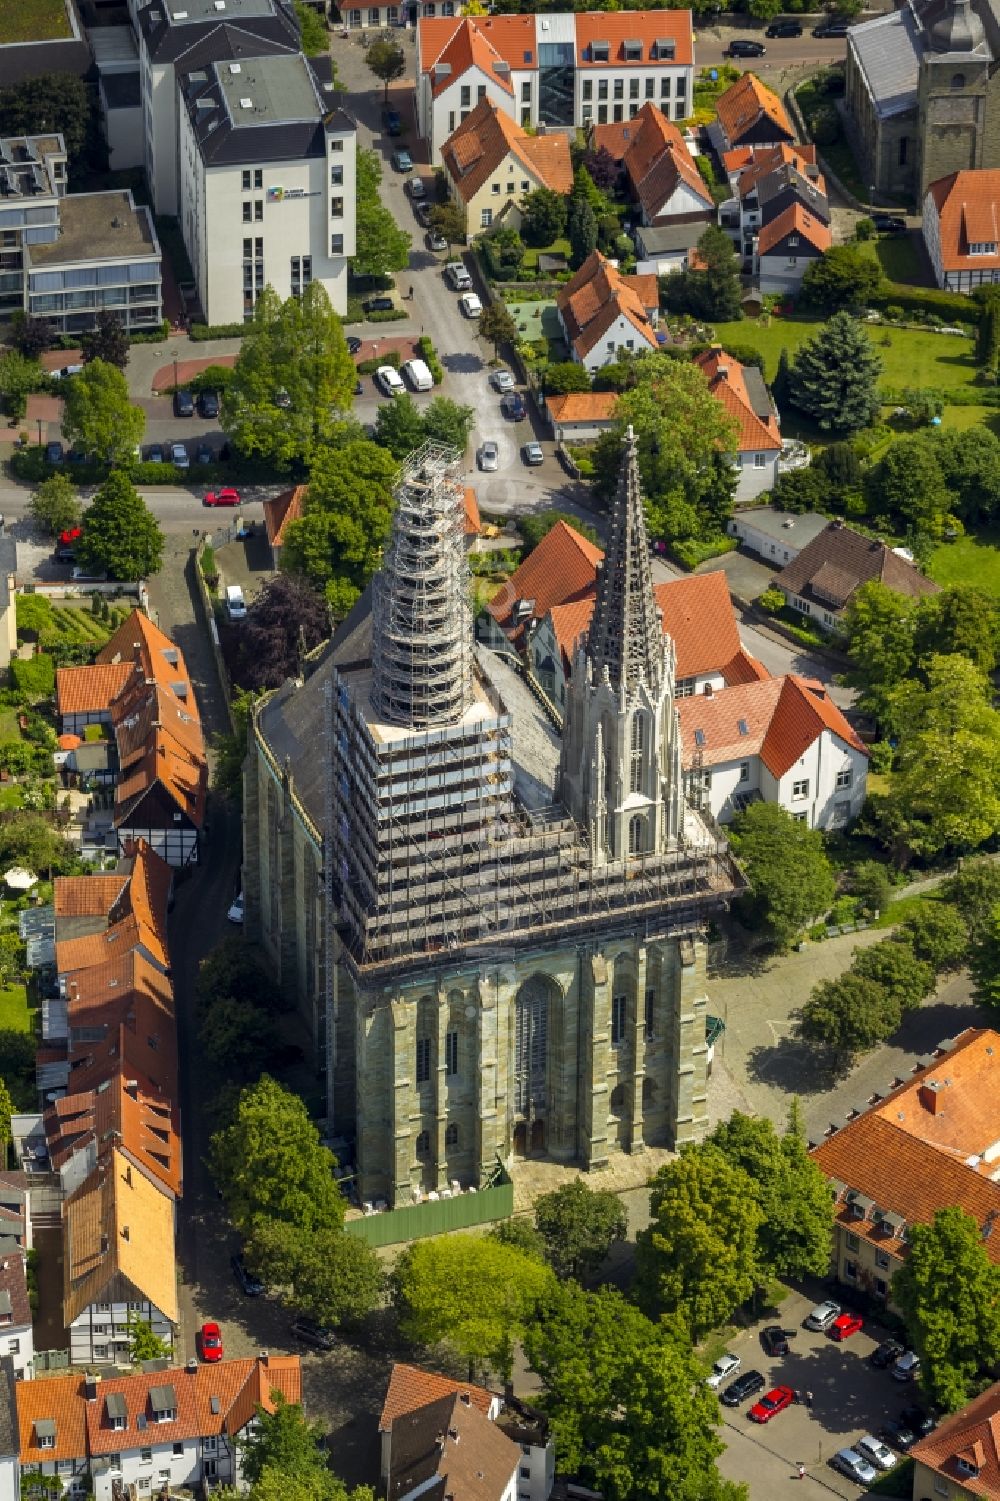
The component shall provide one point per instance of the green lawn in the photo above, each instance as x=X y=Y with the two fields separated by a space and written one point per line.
x=540 y=320
x=960 y=418
x=530 y=262
x=912 y=357
x=14 y=1014
x=11 y=797
x=900 y=258
x=9 y=727
x=33 y=21
x=973 y=559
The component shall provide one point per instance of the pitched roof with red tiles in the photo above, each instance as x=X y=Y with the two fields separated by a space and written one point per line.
x=751 y=163
x=449 y=1449
x=839 y=560
x=795 y=220
x=281 y=510
x=476 y=42
x=138 y=640
x=90 y=690
x=582 y=406
x=118 y=1224
x=647 y=27
x=782 y=718
x=597 y=296
x=411 y=1388
x=968 y=206
x=657 y=161
x=965 y=1447
x=56 y=1400
x=86 y=896
x=727 y=381
x=142 y=1120
x=482 y=142
x=563 y=565
x=745 y=103
x=182 y=777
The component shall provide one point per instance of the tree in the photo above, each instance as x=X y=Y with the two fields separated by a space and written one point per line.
x=19 y=376
x=880 y=627
x=628 y=1410
x=938 y=934
x=907 y=483
x=7 y=1109
x=449 y=221
x=498 y=324
x=287 y=619
x=698 y=1256
x=781 y=386
x=834 y=376
x=893 y=963
x=399 y=426
x=961 y=619
x=17 y=1049
x=52 y=101
x=579 y=1225
x=681 y=429
x=29 y=839
x=476 y=1294
x=382 y=247
x=98 y=416
x=347 y=512
x=786 y=864
x=945 y=791
x=585 y=190
x=970 y=466
x=843 y=277
x=30 y=336
x=975 y=891
x=948 y=1291
x=55 y=505
x=567 y=376
x=851 y=1014
x=107 y=340
x=238 y=1039
x=121 y=536
x=543 y=217
x=329 y=1275
x=533 y=528
x=582 y=231
x=713 y=290
x=796 y=1229
x=144 y=1344
x=522 y=1235
x=315 y=37
x=604 y=171
x=284 y=1441
x=387 y=60
x=448 y=422
x=870 y=884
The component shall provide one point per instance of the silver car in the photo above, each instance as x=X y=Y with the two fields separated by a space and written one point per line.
x=533 y=454
x=850 y=1463
x=725 y=1367
x=489 y=457
x=179 y=456
x=503 y=380
x=875 y=1452
x=822 y=1316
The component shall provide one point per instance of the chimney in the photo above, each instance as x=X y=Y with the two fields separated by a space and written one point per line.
x=263 y=1357
x=466 y=1398
x=929 y=1095
x=128 y=1174
x=90 y=1386
x=192 y=1367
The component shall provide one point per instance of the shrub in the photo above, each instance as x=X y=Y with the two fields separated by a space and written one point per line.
x=368 y=367
x=215 y=378
x=156 y=335
x=200 y=332
x=772 y=600
x=388 y=315
x=35 y=677
x=951 y=306
x=939 y=935
x=429 y=355
x=864 y=229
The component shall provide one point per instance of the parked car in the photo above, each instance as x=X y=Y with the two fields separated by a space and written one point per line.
x=282 y=399
x=784 y=28
x=850 y=1463
x=415 y=188
x=777 y=1399
x=889 y=224
x=183 y=404
x=179 y=456
x=251 y=1285
x=916 y=1418
x=402 y=161
x=822 y=1316
x=886 y=1354
x=154 y=454
x=235 y=913
x=532 y=454
x=502 y=380
x=210 y=1338
x=66 y=545
x=456 y=273
x=876 y=1453
x=900 y=1435
x=513 y=406
x=844 y=1325
x=353 y=344
x=392 y=121
x=743 y=47
x=774 y=1340
x=53 y=453
x=236 y=605
x=422 y=212
x=203 y=454
x=225 y=497
x=747 y=1384
x=208 y=403
x=488 y=457
x=470 y=304
x=381 y=304
x=390 y=380
x=311 y=1333
x=436 y=241
x=724 y=1367
x=907 y=1367
x=832 y=28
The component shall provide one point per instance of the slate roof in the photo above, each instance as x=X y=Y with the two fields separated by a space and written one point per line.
x=971 y=1435
x=968 y=205
x=263 y=133
x=841 y=560
x=786 y=178
x=450 y=1448
x=14 y=1283
x=197 y=43
x=740 y=107
x=482 y=142
x=887 y=51
x=9 y=1437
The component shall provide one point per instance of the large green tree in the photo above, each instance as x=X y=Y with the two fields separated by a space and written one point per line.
x=476 y=1294
x=543 y=217
x=578 y=1226
x=333 y=1277
x=348 y=509
x=714 y=289
x=498 y=324
x=682 y=431
x=107 y=340
x=796 y=1230
x=98 y=416
x=939 y=935
x=791 y=882
x=55 y=505
x=448 y=422
x=283 y=1440
x=698 y=1256
x=834 y=377
x=628 y=1410
x=382 y=247
x=121 y=536
x=970 y=464
x=19 y=376
x=948 y=1291
x=880 y=630
x=894 y=964
x=52 y=101
x=850 y=1014
x=399 y=425
x=975 y=891
x=960 y=620
x=387 y=60
x=841 y=278
x=907 y=485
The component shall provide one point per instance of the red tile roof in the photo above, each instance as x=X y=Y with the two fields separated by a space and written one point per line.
x=645 y=26
x=754 y=162
x=280 y=510
x=727 y=380
x=968 y=205
x=657 y=160
x=483 y=141
x=795 y=220
x=973 y=1436
x=52 y=1399
x=90 y=690
x=86 y=896
x=582 y=406
x=476 y=42
x=562 y=565
x=747 y=102
x=783 y=717
x=410 y=1388
x=598 y=295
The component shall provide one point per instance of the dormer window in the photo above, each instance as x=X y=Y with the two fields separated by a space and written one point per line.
x=600 y=52
x=45 y=1433
x=966 y=1467
x=793 y=239
x=664 y=47
x=117 y=1411
x=163 y=1404
x=633 y=52
x=983 y=247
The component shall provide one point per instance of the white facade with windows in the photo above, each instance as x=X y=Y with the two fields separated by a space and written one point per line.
x=100 y=1334
x=164 y=1463
x=825 y=788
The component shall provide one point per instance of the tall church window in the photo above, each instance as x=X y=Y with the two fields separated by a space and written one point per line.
x=638 y=742
x=903 y=145
x=650 y=1017
x=451 y=1135
x=451 y=1053
x=531 y=1037
x=423 y=1059
x=636 y=835
x=424 y=1144
x=619 y=1019
x=607 y=747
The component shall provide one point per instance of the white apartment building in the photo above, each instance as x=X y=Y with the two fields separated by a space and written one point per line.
x=558 y=71
x=267 y=183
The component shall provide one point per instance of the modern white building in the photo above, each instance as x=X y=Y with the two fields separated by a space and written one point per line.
x=777 y=538
x=267 y=183
x=553 y=71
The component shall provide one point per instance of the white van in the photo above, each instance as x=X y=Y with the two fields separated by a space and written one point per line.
x=235 y=603
x=419 y=376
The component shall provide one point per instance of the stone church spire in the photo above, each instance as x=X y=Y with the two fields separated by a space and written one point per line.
x=626 y=631
x=620 y=762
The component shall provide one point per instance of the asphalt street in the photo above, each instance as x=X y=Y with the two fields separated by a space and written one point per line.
x=784 y=54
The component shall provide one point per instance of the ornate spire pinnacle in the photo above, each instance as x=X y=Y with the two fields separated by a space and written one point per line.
x=626 y=631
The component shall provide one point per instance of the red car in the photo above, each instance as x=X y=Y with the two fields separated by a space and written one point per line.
x=775 y=1401
x=228 y=497
x=846 y=1325
x=211 y=1342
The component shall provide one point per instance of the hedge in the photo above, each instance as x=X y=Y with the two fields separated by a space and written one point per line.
x=690 y=553
x=429 y=355
x=33 y=676
x=368 y=367
x=952 y=306
x=199 y=332
x=30 y=466
x=387 y=315
x=152 y=335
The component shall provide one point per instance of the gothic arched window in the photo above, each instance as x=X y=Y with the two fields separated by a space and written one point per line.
x=637 y=749
x=451 y=1135
x=637 y=835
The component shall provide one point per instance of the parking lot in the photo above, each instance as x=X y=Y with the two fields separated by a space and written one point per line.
x=849 y=1400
